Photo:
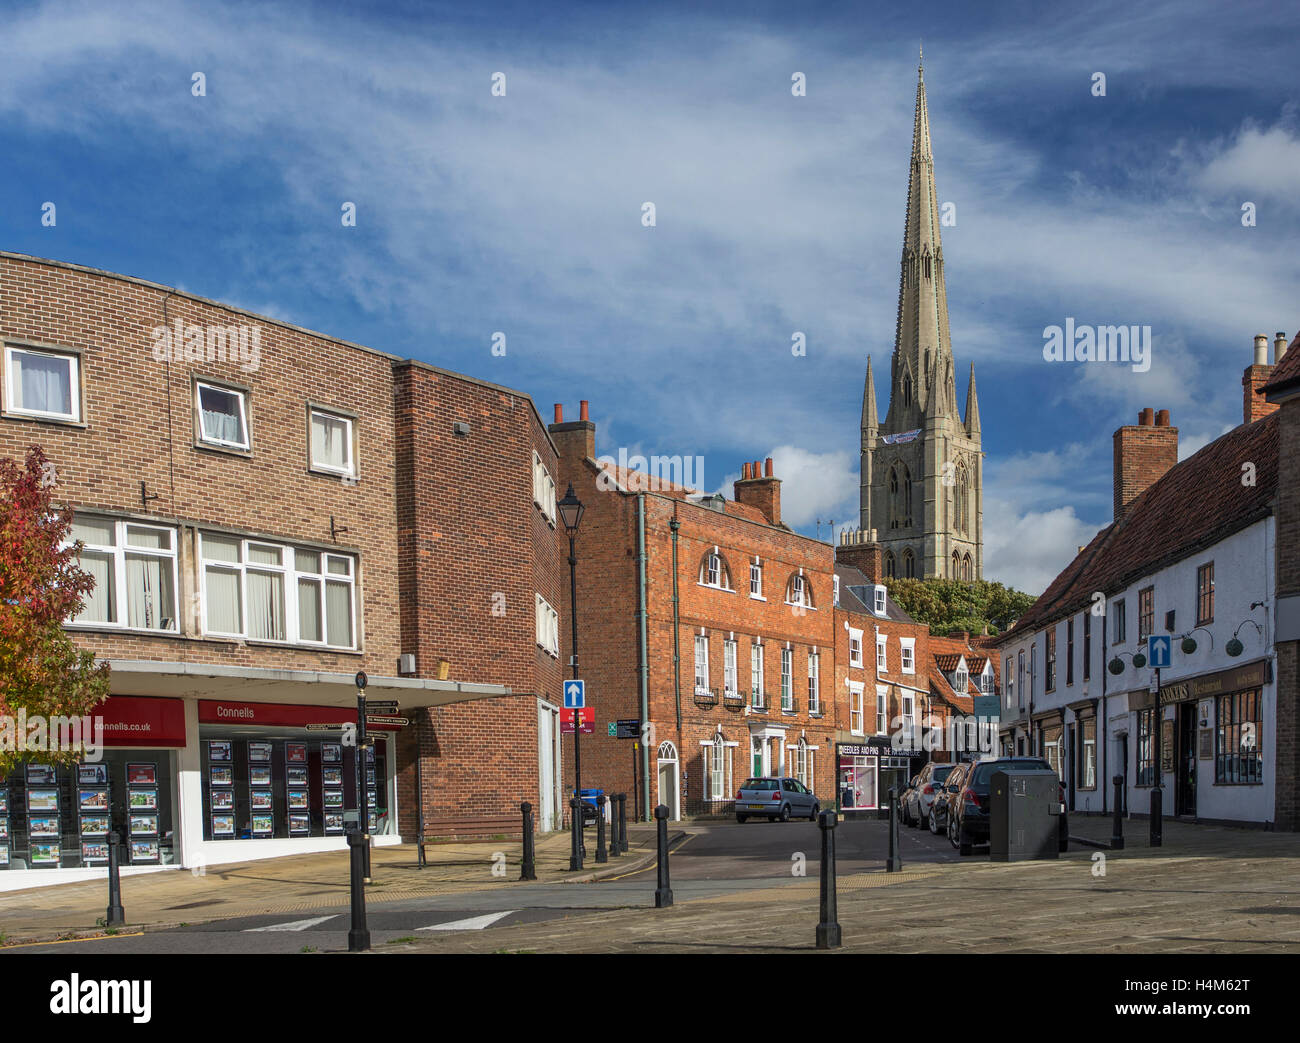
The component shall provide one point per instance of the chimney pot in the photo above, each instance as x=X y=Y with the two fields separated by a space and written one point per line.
x=744 y=471
x=582 y=410
x=1162 y=418
x=768 y=470
x=1146 y=418
x=1261 y=350
x=1279 y=346
x=559 y=413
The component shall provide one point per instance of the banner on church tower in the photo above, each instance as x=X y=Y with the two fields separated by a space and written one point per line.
x=901 y=437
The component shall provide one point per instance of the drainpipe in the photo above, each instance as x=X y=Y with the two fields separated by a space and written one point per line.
x=642 y=653
x=674 y=525
x=1103 y=732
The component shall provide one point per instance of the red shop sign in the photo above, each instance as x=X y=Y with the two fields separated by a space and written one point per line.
x=141 y=720
x=287 y=715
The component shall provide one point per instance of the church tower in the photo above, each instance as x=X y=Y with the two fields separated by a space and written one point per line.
x=922 y=488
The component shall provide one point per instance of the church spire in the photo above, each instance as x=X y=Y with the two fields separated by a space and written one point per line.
x=972 y=407
x=870 y=422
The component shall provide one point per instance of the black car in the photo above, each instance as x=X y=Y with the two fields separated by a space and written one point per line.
x=968 y=806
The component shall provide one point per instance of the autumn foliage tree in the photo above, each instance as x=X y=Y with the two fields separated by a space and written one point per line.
x=41 y=586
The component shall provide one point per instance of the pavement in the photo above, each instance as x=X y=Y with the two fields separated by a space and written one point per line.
x=313 y=883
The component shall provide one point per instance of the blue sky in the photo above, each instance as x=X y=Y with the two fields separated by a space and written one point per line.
x=774 y=214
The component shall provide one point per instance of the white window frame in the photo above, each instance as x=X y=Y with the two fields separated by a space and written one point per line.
x=856 y=723
x=119 y=552
x=787 y=679
x=855 y=647
x=907 y=710
x=757 y=676
x=718 y=768
x=543 y=488
x=1011 y=682
x=287 y=568
x=548 y=627
x=350 y=470
x=730 y=672
x=226 y=389
x=836 y=589
x=702 y=664
x=714 y=572
x=756 y=581
x=814 y=682
x=74 y=382
x=908 y=645
x=799 y=592
x=879 y=601
x=882 y=653
x=882 y=709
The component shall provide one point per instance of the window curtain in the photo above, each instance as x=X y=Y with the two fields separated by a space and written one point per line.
x=98 y=605
x=221 y=415
x=45 y=383
x=223 y=601
x=149 y=597
x=309 y=609
x=266 y=605
x=329 y=438
x=338 y=614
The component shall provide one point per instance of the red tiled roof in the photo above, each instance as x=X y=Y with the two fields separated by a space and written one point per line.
x=940 y=687
x=1195 y=504
x=1286 y=372
x=947 y=661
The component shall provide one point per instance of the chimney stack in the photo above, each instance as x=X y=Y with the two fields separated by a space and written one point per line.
x=760 y=490
x=1253 y=405
x=858 y=549
x=575 y=442
x=1143 y=453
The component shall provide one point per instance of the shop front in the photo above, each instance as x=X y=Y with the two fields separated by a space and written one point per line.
x=55 y=820
x=865 y=773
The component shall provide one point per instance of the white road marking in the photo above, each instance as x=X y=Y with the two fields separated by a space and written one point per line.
x=293 y=925
x=474 y=923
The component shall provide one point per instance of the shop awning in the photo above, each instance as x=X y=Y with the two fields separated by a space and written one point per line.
x=309 y=687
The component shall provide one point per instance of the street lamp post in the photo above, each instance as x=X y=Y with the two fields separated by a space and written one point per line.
x=571 y=510
x=359 y=934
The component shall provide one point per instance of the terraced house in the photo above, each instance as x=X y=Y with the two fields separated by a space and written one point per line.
x=1192 y=553
x=267 y=511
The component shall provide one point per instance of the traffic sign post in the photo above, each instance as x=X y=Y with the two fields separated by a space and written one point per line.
x=575 y=694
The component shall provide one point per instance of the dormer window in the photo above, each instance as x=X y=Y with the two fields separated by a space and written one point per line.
x=880 y=593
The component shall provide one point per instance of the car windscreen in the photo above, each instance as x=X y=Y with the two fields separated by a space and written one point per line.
x=760 y=784
x=941 y=772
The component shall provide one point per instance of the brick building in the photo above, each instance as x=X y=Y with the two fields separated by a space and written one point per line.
x=1195 y=554
x=706 y=619
x=268 y=511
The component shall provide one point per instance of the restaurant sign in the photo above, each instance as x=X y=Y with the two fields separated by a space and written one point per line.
x=1235 y=679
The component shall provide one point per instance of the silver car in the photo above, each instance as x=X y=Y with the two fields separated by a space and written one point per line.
x=919 y=800
x=775 y=798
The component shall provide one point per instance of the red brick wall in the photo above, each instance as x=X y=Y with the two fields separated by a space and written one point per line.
x=1287 y=515
x=1254 y=405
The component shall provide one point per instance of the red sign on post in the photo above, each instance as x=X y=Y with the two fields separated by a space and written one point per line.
x=585 y=718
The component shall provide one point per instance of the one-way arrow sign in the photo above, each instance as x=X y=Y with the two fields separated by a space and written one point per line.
x=575 y=694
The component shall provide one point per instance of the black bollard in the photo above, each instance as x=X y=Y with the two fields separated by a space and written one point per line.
x=528 y=871
x=1157 y=815
x=1117 y=830
x=359 y=934
x=622 y=823
x=575 y=823
x=116 y=914
x=828 y=929
x=615 y=846
x=663 y=893
x=601 y=854
x=895 y=862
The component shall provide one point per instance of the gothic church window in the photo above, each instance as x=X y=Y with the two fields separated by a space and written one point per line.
x=909 y=565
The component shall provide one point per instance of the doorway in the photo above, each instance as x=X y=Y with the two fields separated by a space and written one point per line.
x=668 y=767
x=1185 y=791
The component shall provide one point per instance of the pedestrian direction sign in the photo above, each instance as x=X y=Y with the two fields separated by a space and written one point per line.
x=575 y=694
x=1159 y=650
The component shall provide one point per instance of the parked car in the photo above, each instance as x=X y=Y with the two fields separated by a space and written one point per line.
x=920 y=795
x=944 y=794
x=775 y=798
x=968 y=809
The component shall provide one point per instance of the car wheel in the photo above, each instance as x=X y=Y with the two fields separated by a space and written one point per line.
x=952 y=836
x=815 y=809
x=934 y=822
x=785 y=813
x=742 y=819
x=907 y=815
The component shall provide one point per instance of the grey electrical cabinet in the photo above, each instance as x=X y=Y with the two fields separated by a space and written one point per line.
x=1024 y=815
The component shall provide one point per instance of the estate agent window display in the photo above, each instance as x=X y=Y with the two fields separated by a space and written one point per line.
x=56 y=817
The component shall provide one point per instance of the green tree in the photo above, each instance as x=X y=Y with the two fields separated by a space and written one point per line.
x=946 y=604
x=41 y=586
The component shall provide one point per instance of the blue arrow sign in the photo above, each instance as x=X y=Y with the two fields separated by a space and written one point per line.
x=1159 y=651
x=575 y=695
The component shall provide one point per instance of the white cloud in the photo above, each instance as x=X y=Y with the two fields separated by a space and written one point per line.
x=814 y=487
x=1258 y=162
x=1026 y=549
